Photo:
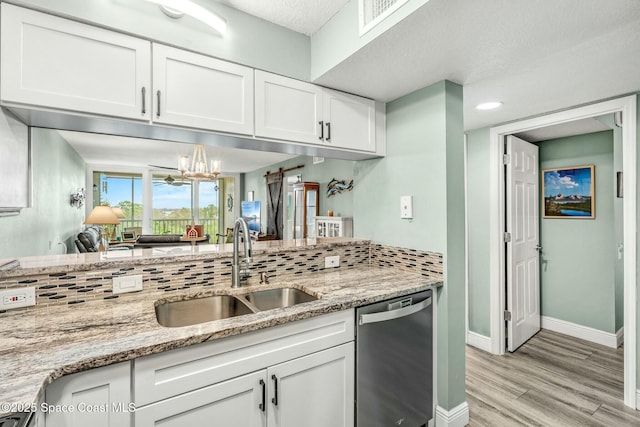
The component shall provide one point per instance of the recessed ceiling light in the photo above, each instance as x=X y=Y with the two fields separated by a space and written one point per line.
x=489 y=105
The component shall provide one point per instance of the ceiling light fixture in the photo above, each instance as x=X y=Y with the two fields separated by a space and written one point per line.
x=175 y=9
x=199 y=170
x=489 y=105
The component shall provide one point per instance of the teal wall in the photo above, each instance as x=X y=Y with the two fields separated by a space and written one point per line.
x=250 y=41
x=425 y=160
x=340 y=204
x=57 y=172
x=578 y=260
x=478 y=225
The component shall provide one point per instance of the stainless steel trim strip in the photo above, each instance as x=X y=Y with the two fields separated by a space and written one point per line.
x=394 y=314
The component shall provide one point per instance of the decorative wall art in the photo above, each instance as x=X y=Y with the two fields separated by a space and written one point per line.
x=336 y=187
x=569 y=192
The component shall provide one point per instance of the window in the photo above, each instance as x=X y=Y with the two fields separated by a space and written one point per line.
x=123 y=190
x=178 y=202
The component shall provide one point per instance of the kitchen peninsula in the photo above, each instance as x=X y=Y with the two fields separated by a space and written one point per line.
x=78 y=331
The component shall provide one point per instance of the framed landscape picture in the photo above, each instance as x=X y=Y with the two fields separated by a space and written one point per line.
x=569 y=192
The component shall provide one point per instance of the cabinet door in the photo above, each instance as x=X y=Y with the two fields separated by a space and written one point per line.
x=288 y=109
x=234 y=403
x=57 y=63
x=98 y=398
x=350 y=121
x=313 y=391
x=201 y=92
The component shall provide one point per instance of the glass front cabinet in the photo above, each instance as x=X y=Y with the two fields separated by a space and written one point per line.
x=334 y=226
x=306 y=202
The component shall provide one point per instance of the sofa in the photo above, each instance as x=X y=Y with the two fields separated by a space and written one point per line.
x=88 y=240
x=159 y=240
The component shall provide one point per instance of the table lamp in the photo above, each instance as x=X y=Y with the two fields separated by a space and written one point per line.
x=102 y=215
x=120 y=216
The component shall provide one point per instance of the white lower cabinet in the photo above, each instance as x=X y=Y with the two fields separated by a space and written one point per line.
x=292 y=375
x=313 y=391
x=96 y=398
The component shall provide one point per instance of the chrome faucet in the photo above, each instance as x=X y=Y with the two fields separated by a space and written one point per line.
x=240 y=225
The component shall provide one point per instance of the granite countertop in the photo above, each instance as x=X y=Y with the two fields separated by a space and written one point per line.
x=41 y=345
x=87 y=261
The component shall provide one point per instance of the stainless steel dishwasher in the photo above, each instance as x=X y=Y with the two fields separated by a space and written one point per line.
x=394 y=362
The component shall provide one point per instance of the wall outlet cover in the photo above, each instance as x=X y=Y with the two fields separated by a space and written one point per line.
x=406 y=207
x=17 y=297
x=332 y=261
x=124 y=284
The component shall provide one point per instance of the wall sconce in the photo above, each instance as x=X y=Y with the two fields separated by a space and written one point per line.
x=77 y=199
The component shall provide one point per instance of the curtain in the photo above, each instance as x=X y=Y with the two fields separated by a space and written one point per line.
x=274 y=204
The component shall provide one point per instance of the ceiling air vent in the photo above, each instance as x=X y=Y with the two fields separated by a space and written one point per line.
x=372 y=12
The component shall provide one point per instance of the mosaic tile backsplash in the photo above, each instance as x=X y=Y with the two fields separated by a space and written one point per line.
x=81 y=286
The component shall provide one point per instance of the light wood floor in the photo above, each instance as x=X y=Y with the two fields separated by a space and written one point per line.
x=552 y=380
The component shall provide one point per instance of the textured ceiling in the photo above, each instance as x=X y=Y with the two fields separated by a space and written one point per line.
x=302 y=16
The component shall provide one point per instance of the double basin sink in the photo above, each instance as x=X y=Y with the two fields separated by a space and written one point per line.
x=216 y=307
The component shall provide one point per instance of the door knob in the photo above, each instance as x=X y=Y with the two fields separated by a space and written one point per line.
x=538 y=248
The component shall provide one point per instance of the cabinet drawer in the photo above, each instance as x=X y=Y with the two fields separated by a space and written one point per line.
x=167 y=374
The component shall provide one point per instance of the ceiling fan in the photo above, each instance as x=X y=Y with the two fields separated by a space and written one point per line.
x=171 y=181
x=163 y=167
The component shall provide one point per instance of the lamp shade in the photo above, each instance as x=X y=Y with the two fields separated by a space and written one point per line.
x=118 y=213
x=102 y=215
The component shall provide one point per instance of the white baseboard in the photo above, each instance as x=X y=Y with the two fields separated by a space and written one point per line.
x=479 y=341
x=457 y=417
x=583 y=332
x=619 y=337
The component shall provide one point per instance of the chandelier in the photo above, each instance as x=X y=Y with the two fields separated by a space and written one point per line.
x=198 y=170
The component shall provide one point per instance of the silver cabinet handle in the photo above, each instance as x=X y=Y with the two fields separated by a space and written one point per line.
x=383 y=316
x=144 y=100
x=158 y=112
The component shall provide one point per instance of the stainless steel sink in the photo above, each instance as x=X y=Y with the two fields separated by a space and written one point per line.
x=278 y=298
x=200 y=310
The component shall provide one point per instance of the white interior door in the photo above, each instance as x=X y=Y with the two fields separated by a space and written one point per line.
x=523 y=260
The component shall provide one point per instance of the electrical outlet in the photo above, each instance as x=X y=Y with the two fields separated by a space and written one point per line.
x=332 y=261
x=17 y=297
x=124 y=284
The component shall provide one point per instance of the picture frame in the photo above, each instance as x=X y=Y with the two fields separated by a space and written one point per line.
x=569 y=192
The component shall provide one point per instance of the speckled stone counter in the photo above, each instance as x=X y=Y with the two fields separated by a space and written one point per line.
x=53 y=264
x=41 y=345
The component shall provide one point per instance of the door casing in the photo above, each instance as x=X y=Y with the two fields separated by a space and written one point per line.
x=497 y=256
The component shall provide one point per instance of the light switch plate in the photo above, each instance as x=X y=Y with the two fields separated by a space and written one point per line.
x=17 y=297
x=406 y=207
x=332 y=261
x=124 y=284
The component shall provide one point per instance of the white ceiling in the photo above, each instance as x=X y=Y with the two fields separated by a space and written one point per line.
x=534 y=55
x=145 y=153
x=576 y=127
x=302 y=16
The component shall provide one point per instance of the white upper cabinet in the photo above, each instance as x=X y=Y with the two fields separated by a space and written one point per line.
x=53 y=62
x=288 y=109
x=350 y=121
x=201 y=92
x=297 y=111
